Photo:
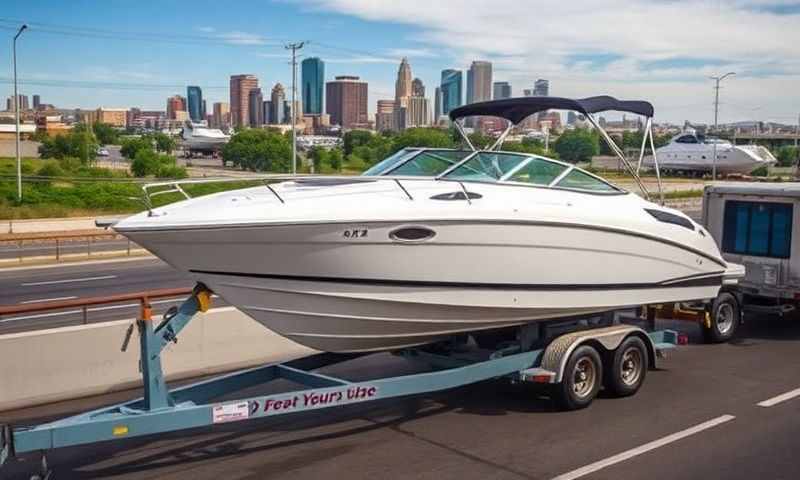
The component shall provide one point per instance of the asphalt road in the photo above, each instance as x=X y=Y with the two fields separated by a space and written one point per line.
x=696 y=418
x=67 y=282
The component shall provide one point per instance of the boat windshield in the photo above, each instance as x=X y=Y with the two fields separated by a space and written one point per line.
x=418 y=163
x=528 y=169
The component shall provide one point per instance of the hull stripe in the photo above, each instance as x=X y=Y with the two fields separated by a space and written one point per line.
x=703 y=280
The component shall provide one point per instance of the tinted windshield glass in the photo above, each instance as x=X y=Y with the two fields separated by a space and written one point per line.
x=583 y=181
x=538 y=172
x=430 y=163
x=390 y=162
x=487 y=166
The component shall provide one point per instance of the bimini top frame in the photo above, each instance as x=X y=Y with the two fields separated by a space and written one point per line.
x=515 y=110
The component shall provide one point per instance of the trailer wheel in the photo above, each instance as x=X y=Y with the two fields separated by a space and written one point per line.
x=724 y=319
x=581 y=380
x=629 y=366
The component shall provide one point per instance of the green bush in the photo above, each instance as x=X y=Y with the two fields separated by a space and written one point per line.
x=172 y=172
x=50 y=169
x=259 y=150
x=761 y=171
x=131 y=146
x=79 y=143
x=787 y=155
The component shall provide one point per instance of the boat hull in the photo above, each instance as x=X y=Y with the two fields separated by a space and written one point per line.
x=345 y=287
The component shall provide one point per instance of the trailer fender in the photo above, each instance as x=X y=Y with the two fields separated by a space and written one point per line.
x=606 y=339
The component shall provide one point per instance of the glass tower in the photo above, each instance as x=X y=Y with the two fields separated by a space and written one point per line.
x=194 y=100
x=452 y=86
x=312 y=83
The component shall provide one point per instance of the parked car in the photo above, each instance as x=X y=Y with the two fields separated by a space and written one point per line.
x=102 y=152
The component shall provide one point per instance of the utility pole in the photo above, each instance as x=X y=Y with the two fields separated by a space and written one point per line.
x=716 y=117
x=294 y=47
x=16 y=113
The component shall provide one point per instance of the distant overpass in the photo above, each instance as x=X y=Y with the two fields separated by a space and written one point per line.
x=772 y=140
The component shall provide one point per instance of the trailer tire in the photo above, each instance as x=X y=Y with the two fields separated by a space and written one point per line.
x=723 y=318
x=581 y=381
x=629 y=364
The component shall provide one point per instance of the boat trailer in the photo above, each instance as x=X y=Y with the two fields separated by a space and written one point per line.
x=570 y=358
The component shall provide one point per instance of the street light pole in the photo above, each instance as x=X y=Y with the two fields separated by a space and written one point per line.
x=294 y=47
x=16 y=113
x=716 y=117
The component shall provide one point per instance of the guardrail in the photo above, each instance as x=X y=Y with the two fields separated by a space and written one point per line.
x=60 y=246
x=83 y=304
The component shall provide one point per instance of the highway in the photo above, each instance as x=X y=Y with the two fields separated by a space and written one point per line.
x=713 y=411
x=39 y=248
x=93 y=279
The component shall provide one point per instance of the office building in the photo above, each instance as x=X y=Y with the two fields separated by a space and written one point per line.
x=437 y=105
x=346 y=101
x=240 y=86
x=479 y=82
x=417 y=112
x=194 y=103
x=175 y=103
x=541 y=88
x=23 y=103
x=402 y=86
x=278 y=100
x=417 y=88
x=221 y=118
x=312 y=85
x=501 y=90
x=37 y=100
x=116 y=117
x=452 y=90
x=255 y=108
x=384 y=116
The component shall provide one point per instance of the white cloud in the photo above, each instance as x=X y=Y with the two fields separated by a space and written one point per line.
x=242 y=38
x=693 y=38
x=413 y=52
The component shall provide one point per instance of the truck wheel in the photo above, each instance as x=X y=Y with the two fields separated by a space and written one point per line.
x=581 y=380
x=724 y=319
x=628 y=368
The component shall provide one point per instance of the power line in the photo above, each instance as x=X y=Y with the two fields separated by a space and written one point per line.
x=106 y=85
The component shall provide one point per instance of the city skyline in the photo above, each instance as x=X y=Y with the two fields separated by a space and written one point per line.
x=119 y=67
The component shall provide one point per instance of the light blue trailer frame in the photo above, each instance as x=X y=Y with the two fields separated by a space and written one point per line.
x=162 y=410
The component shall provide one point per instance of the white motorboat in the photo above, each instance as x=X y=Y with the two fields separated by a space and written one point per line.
x=430 y=243
x=691 y=152
x=198 y=137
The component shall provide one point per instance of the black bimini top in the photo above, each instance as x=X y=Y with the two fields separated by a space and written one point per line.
x=518 y=109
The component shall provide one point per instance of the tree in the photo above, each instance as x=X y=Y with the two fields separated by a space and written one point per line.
x=258 y=150
x=164 y=143
x=578 y=145
x=421 y=137
x=319 y=158
x=79 y=143
x=147 y=162
x=105 y=133
x=787 y=155
x=356 y=138
x=335 y=158
x=131 y=146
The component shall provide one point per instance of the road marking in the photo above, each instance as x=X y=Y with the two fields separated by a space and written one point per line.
x=780 y=398
x=48 y=300
x=71 y=280
x=628 y=454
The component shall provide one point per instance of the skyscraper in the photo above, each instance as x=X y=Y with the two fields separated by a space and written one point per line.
x=501 y=90
x=37 y=100
x=479 y=82
x=175 y=103
x=240 y=87
x=194 y=103
x=278 y=100
x=452 y=87
x=255 y=108
x=312 y=83
x=417 y=88
x=541 y=88
x=437 y=105
x=402 y=87
x=346 y=101
x=221 y=116
x=417 y=112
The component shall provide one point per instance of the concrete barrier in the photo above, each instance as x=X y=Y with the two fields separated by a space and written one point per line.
x=46 y=366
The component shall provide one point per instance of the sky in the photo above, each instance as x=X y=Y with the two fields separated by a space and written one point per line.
x=124 y=53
